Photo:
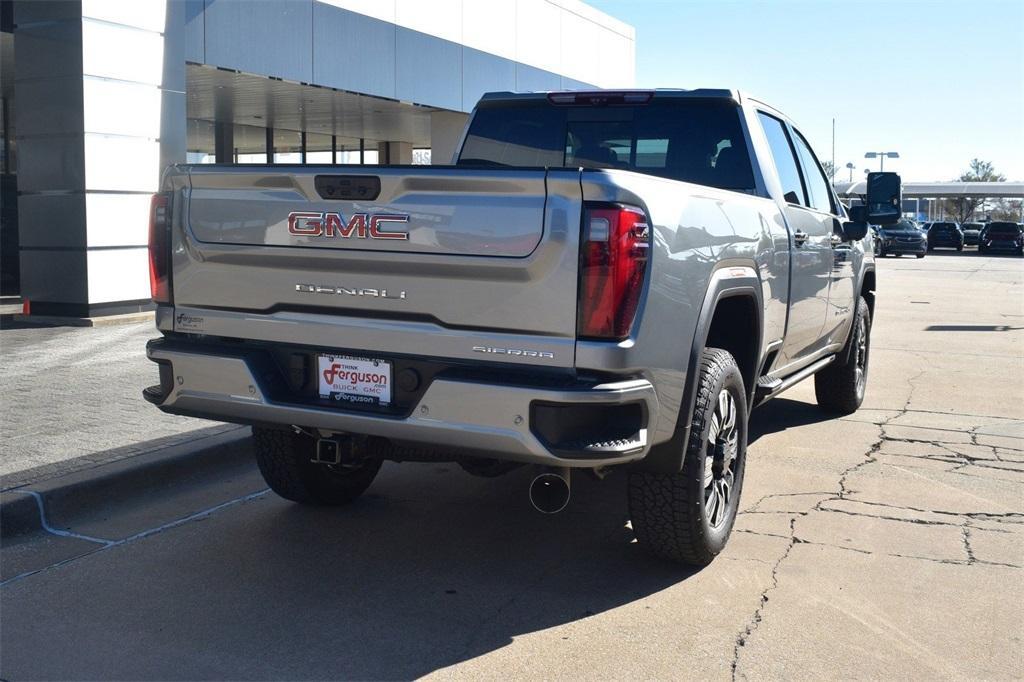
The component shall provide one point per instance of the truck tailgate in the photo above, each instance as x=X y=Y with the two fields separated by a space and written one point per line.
x=481 y=258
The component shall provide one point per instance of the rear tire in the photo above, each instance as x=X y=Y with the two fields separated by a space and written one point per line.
x=841 y=385
x=284 y=458
x=920 y=255
x=686 y=517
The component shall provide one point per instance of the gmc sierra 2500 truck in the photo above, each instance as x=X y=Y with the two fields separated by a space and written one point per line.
x=599 y=280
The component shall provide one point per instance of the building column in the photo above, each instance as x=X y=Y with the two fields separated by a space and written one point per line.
x=445 y=133
x=224 y=142
x=394 y=153
x=100 y=107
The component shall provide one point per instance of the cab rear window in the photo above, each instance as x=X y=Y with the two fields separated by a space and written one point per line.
x=1003 y=229
x=699 y=141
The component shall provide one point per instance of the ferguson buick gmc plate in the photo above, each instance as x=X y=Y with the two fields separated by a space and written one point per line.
x=364 y=381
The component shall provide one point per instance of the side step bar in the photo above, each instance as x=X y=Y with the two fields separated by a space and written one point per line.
x=768 y=386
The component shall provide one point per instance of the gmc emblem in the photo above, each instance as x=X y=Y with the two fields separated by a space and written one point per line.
x=360 y=225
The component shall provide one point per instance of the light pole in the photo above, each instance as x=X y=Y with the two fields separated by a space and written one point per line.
x=882 y=156
x=850 y=166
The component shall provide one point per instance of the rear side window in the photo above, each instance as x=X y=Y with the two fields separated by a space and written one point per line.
x=817 y=185
x=699 y=141
x=785 y=161
x=1004 y=228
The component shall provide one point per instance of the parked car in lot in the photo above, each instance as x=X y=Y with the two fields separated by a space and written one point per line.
x=1002 y=236
x=972 y=231
x=945 y=235
x=602 y=280
x=902 y=238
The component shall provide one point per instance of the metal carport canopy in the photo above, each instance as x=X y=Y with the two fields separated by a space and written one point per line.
x=948 y=190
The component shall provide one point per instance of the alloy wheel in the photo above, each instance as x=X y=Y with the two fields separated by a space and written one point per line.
x=720 y=459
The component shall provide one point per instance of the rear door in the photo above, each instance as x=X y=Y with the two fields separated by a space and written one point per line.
x=811 y=232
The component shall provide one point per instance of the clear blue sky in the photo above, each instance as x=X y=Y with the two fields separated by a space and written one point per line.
x=939 y=82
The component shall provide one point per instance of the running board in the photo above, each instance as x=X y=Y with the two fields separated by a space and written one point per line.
x=769 y=387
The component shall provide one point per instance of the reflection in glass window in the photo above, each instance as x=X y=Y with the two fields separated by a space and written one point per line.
x=785 y=162
x=651 y=153
x=817 y=185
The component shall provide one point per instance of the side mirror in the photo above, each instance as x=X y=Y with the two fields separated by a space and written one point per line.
x=884 y=199
x=854 y=231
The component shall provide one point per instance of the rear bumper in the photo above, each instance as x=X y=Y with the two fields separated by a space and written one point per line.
x=1002 y=246
x=905 y=247
x=472 y=417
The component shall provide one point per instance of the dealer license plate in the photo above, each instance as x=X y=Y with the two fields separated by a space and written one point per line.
x=362 y=381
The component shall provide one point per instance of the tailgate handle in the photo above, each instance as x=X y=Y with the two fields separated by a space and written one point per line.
x=347 y=187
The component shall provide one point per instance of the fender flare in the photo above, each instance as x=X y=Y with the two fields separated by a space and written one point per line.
x=858 y=292
x=730 y=278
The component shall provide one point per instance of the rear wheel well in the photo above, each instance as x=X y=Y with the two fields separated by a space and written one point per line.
x=734 y=328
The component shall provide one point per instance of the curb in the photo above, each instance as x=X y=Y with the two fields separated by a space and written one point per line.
x=142 y=475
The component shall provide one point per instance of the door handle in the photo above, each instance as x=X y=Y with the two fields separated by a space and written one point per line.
x=799 y=237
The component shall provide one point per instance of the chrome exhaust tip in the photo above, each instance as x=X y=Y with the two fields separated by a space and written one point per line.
x=550 y=491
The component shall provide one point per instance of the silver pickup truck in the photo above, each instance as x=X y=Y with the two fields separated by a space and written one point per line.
x=599 y=280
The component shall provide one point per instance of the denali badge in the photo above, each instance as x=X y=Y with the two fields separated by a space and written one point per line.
x=518 y=352
x=349 y=291
x=360 y=225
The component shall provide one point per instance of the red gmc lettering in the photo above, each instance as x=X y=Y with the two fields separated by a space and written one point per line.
x=305 y=224
x=360 y=225
x=377 y=233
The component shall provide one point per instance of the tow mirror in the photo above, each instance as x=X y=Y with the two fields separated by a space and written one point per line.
x=855 y=231
x=884 y=199
x=857 y=227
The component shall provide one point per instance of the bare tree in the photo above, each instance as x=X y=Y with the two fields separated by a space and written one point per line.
x=1008 y=210
x=963 y=208
x=830 y=170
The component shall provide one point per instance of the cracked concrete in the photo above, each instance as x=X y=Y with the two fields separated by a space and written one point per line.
x=887 y=576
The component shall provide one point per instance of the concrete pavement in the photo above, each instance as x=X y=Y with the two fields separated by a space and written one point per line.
x=72 y=399
x=886 y=544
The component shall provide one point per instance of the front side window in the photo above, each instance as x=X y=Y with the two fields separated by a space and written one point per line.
x=817 y=184
x=785 y=161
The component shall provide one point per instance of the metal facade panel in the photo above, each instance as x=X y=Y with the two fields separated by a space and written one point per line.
x=195 y=31
x=529 y=79
x=427 y=70
x=483 y=72
x=572 y=84
x=271 y=38
x=353 y=52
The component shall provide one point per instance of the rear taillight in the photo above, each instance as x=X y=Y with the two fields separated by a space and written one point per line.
x=613 y=262
x=160 y=248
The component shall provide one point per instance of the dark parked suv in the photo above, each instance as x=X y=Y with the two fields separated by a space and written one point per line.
x=945 y=235
x=972 y=231
x=1001 y=237
x=903 y=237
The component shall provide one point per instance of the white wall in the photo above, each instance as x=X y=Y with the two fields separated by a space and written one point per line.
x=122 y=69
x=561 y=36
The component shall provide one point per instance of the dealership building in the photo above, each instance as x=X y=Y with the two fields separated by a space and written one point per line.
x=99 y=95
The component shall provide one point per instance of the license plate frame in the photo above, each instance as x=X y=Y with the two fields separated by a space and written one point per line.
x=354 y=380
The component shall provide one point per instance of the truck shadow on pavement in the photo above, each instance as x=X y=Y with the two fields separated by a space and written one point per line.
x=779 y=414
x=430 y=568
